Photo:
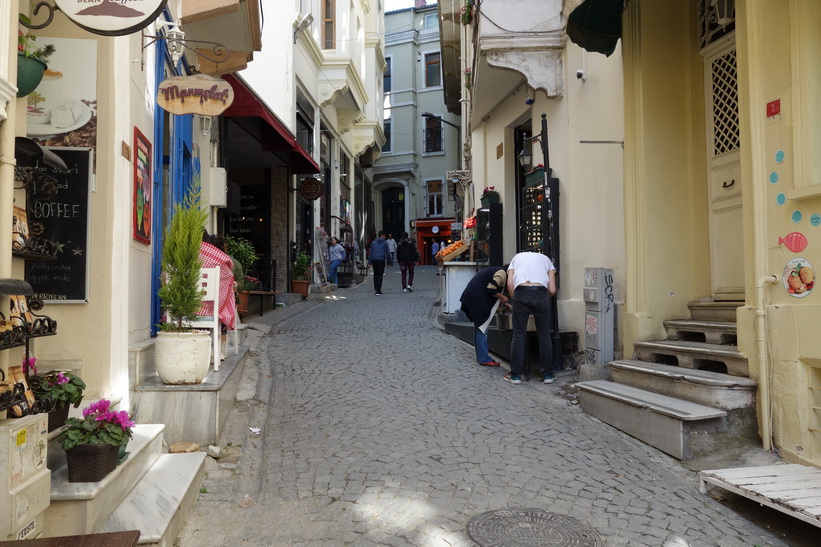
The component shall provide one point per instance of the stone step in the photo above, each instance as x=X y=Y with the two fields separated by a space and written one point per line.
x=679 y=428
x=82 y=507
x=695 y=355
x=697 y=386
x=710 y=332
x=160 y=503
x=710 y=310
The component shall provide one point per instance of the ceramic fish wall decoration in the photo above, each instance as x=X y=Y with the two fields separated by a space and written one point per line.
x=795 y=241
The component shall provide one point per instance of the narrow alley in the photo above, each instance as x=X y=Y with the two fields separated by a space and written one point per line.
x=377 y=428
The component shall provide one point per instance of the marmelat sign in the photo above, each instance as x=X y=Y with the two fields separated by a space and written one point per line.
x=199 y=94
x=112 y=17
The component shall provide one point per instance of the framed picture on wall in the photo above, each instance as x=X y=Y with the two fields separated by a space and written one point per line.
x=141 y=222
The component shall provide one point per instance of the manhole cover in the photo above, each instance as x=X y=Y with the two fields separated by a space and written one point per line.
x=528 y=527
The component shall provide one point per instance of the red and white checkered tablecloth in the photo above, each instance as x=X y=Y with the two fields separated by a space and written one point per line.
x=212 y=257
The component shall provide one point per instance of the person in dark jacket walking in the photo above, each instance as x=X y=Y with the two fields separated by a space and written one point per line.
x=408 y=256
x=482 y=295
x=378 y=256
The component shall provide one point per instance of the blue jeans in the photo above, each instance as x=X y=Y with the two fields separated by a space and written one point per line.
x=480 y=341
x=531 y=300
x=332 y=267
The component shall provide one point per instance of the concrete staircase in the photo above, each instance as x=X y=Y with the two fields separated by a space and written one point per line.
x=150 y=491
x=688 y=395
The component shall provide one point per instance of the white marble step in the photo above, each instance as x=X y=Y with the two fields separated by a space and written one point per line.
x=676 y=427
x=710 y=332
x=82 y=507
x=696 y=355
x=159 y=504
x=709 y=310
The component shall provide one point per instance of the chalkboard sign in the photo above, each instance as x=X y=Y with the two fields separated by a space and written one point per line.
x=63 y=217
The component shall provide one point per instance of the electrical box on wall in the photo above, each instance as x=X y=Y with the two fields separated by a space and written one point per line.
x=218 y=187
x=23 y=454
x=599 y=312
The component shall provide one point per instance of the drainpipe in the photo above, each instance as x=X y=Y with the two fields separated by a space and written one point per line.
x=763 y=367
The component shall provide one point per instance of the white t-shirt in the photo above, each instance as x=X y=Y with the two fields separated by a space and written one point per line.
x=531 y=267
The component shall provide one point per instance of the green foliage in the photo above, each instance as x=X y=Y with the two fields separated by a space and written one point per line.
x=99 y=425
x=57 y=388
x=25 y=43
x=301 y=267
x=180 y=292
x=242 y=250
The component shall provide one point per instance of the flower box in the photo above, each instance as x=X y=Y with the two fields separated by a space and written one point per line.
x=487 y=199
x=535 y=177
x=91 y=462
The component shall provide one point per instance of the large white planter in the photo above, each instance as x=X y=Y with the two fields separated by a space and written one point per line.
x=182 y=357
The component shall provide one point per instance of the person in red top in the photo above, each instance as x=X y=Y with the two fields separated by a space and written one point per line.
x=212 y=257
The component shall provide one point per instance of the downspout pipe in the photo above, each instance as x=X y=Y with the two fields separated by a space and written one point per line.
x=763 y=366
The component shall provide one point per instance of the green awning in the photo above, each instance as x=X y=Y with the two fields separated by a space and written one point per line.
x=595 y=25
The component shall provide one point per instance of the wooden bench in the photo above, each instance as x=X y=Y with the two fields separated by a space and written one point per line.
x=262 y=295
x=110 y=539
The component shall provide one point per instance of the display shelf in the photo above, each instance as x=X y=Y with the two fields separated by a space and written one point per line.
x=453 y=254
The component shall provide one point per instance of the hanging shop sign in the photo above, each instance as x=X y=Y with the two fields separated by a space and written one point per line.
x=112 y=17
x=311 y=188
x=198 y=94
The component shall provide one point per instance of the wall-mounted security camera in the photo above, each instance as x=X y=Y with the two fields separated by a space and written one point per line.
x=580 y=74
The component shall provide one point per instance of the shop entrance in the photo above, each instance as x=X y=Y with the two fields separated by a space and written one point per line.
x=393 y=211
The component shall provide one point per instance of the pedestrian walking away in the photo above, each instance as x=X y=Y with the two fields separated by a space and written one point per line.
x=336 y=254
x=392 y=249
x=481 y=298
x=531 y=283
x=434 y=248
x=378 y=256
x=408 y=256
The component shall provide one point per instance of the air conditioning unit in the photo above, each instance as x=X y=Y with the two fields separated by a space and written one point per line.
x=218 y=187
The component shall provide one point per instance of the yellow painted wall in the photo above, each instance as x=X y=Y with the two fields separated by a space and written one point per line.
x=665 y=173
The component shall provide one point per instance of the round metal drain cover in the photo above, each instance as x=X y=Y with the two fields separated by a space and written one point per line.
x=529 y=527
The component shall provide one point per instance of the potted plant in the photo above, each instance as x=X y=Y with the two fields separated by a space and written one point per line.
x=245 y=284
x=535 y=177
x=300 y=274
x=93 y=442
x=242 y=250
x=489 y=195
x=31 y=61
x=182 y=354
x=56 y=390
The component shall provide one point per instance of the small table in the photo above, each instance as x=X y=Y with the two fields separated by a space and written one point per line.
x=262 y=295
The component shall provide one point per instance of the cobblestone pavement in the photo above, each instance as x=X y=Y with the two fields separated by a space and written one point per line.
x=377 y=428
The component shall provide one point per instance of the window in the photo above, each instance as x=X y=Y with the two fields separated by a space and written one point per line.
x=386 y=125
x=432 y=135
x=431 y=22
x=386 y=84
x=328 y=23
x=433 y=75
x=305 y=126
x=434 y=205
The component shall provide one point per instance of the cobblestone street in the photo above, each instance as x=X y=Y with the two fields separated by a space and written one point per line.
x=378 y=428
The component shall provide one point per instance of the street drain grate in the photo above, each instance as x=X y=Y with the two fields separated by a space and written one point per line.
x=529 y=527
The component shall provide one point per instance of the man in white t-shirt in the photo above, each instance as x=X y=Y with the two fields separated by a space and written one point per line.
x=392 y=249
x=531 y=283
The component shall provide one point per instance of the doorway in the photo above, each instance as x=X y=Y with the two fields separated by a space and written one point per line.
x=393 y=211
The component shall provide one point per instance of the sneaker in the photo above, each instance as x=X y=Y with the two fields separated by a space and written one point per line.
x=378 y=293
x=491 y=364
x=549 y=378
x=410 y=289
x=513 y=378
x=404 y=290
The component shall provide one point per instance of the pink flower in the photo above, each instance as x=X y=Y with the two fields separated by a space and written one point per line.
x=61 y=379
x=99 y=407
x=28 y=365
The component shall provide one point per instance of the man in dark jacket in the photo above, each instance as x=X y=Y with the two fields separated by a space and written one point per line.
x=482 y=295
x=407 y=255
x=378 y=256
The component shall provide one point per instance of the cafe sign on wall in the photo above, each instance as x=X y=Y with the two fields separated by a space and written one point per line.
x=112 y=17
x=199 y=94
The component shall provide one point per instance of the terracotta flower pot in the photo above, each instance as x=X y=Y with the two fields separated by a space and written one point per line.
x=242 y=305
x=300 y=286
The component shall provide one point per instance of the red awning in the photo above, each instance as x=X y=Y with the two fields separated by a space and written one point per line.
x=427 y=223
x=247 y=103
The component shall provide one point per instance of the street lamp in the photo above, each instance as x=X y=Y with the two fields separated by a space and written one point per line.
x=458 y=131
x=525 y=159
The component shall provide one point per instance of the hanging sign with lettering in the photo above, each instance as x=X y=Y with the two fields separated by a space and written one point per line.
x=61 y=214
x=198 y=94
x=112 y=17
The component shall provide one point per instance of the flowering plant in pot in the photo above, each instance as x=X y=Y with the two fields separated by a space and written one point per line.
x=56 y=390
x=248 y=283
x=31 y=60
x=93 y=442
x=300 y=274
